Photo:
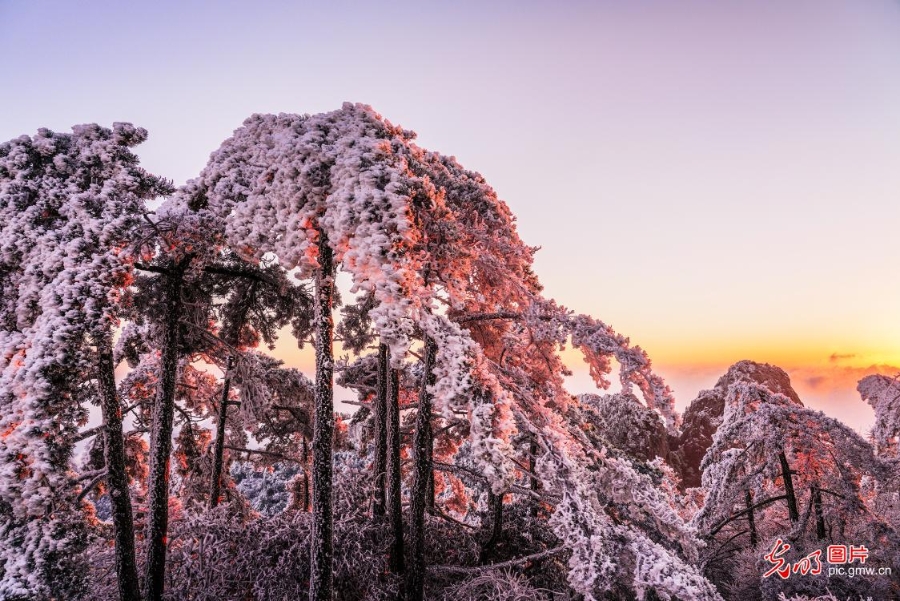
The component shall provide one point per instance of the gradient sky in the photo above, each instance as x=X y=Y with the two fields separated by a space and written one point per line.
x=718 y=180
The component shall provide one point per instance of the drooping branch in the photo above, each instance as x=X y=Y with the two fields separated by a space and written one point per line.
x=538 y=495
x=91 y=485
x=88 y=433
x=717 y=554
x=239 y=272
x=261 y=452
x=211 y=337
x=737 y=515
x=512 y=563
x=85 y=434
x=489 y=316
x=151 y=268
x=232 y=271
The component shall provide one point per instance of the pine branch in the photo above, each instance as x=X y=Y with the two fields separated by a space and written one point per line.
x=748 y=510
x=498 y=566
x=489 y=316
x=261 y=452
x=91 y=486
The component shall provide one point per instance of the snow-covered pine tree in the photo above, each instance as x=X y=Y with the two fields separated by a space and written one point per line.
x=316 y=191
x=225 y=306
x=69 y=204
x=285 y=184
x=256 y=301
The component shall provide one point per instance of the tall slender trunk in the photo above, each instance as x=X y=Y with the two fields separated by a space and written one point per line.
x=116 y=477
x=533 y=483
x=304 y=458
x=495 y=526
x=394 y=502
x=380 y=466
x=161 y=436
x=231 y=337
x=320 y=583
x=219 y=450
x=429 y=486
x=422 y=444
x=817 y=506
x=748 y=501
x=786 y=475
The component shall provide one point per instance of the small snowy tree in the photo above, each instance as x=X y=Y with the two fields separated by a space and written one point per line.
x=883 y=394
x=789 y=472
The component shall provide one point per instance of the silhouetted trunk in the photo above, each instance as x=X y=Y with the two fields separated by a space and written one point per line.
x=394 y=502
x=495 y=526
x=380 y=414
x=116 y=477
x=748 y=500
x=429 y=488
x=161 y=436
x=786 y=475
x=219 y=450
x=533 y=483
x=232 y=337
x=422 y=444
x=304 y=458
x=817 y=506
x=320 y=583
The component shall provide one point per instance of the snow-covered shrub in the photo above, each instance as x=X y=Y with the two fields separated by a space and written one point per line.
x=494 y=585
x=266 y=489
x=827 y=597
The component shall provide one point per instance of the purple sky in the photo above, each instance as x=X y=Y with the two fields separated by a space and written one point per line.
x=719 y=180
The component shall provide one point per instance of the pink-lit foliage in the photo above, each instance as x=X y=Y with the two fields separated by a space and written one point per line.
x=537 y=493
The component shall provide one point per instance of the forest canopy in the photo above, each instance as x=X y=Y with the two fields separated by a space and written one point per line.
x=153 y=448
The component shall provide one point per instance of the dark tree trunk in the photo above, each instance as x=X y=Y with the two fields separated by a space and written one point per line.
x=161 y=437
x=320 y=583
x=380 y=466
x=304 y=458
x=533 y=483
x=394 y=502
x=748 y=500
x=786 y=475
x=117 y=478
x=429 y=489
x=495 y=509
x=219 y=451
x=422 y=444
x=232 y=337
x=817 y=506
